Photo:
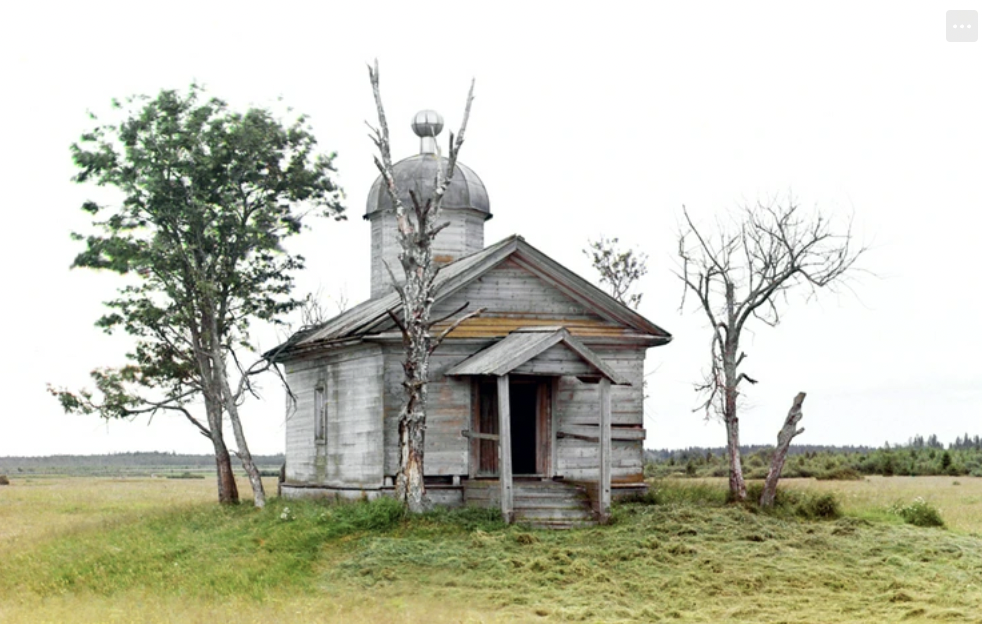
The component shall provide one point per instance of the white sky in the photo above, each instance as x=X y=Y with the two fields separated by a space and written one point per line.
x=589 y=119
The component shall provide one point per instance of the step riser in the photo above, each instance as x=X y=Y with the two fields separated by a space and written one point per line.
x=546 y=504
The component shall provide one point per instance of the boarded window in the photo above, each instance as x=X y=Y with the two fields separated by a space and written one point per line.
x=320 y=414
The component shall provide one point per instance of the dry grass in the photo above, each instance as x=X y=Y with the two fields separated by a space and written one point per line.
x=958 y=498
x=686 y=559
x=39 y=508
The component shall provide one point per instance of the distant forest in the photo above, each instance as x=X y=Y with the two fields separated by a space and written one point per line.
x=125 y=464
x=920 y=456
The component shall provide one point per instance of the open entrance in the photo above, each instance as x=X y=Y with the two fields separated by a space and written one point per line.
x=524 y=410
x=530 y=419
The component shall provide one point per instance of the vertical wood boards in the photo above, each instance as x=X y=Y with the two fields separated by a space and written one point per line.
x=464 y=235
x=350 y=452
x=578 y=404
x=504 y=448
x=544 y=437
x=605 y=458
x=448 y=411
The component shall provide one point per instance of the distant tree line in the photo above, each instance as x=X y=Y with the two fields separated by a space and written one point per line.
x=918 y=457
x=122 y=463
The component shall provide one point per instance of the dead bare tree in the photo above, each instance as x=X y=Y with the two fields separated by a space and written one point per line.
x=314 y=312
x=743 y=272
x=619 y=270
x=784 y=437
x=417 y=230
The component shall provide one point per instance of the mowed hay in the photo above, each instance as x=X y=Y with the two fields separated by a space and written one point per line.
x=683 y=555
x=958 y=499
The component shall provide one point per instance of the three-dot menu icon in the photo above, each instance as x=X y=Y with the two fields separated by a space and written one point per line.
x=962 y=26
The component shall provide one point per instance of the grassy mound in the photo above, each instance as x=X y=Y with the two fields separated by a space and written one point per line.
x=680 y=553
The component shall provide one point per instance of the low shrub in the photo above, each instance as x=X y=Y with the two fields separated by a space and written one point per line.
x=807 y=505
x=186 y=475
x=820 y=507
x=4 y=480
x=670 y=492
x=842 y=473
x=919 y=513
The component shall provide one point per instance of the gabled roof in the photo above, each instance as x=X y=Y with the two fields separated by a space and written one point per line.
x=525 y=344
x=372 y=316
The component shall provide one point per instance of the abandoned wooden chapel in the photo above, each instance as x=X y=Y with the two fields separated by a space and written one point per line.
x=535 y=405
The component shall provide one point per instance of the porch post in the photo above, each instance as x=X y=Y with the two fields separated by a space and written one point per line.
x=504 y=448
x=604 y=486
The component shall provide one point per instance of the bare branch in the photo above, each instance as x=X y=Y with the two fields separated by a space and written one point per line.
x=439 y=339
x=746 y=270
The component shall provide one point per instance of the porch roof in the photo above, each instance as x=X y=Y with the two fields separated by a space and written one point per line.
x=523 y=345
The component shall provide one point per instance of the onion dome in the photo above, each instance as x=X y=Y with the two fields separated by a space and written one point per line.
x=418 y=173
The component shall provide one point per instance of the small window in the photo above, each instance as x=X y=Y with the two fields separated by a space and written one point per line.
x=320 y=413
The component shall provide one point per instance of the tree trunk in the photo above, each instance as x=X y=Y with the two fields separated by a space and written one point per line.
x=255 y=479
x=228 y=491
x=784 y=437
x=409 y=484
x=410 y=487
x=738 y=487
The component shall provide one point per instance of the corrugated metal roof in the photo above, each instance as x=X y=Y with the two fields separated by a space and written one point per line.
x=525 y=344
x=372 y=316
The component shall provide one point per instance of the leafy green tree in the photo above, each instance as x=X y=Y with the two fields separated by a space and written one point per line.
x=208 y=196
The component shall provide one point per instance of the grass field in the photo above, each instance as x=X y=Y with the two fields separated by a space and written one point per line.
x=158 y=550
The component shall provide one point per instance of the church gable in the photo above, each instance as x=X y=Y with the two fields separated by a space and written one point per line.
x=512 y=296
x=516 y=284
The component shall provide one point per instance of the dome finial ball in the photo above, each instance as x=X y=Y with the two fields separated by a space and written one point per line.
x=427 y=123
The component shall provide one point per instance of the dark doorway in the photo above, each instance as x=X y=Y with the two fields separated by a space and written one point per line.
x=524 y=402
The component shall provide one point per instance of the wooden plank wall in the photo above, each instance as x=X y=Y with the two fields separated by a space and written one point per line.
x=556 y=360
x=301 y=452
x=353 y=452
x=448 y=411
x=463 y=236
x=578 y=403
x=510 y=289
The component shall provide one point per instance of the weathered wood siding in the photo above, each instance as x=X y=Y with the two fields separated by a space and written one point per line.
x=463 y=236
x=510 y=289
x=350 y=456
x=556 y=360
x=448 y=411
x=578 y=404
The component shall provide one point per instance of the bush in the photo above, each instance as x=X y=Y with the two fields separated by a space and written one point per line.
x=186 y=475
x=843 y=473
x=819 y=507
x=919 y=513
x=677 y=492
x=796 y=503
x=4 y=480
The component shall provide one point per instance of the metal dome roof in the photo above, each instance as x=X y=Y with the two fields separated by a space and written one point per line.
x=418 y=173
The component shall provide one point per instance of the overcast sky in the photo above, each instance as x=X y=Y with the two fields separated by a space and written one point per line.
x=602 y=118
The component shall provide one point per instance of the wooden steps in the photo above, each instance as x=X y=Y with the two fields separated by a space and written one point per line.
x=540 y=504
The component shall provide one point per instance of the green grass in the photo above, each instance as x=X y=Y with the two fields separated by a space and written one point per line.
x=680 y=554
